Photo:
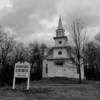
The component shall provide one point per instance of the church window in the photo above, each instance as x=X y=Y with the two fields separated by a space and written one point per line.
x=59 y=63
x=57 y=35
x=60 y=42
x=46 y=68
x=77 y=70
x=59 y=52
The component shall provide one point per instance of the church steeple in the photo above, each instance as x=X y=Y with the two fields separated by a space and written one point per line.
x=60 y=31
x=60 y=23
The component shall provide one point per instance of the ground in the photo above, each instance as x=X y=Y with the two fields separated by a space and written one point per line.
x=53 y=89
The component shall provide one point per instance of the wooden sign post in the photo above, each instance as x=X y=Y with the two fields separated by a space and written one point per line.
x=22 y=70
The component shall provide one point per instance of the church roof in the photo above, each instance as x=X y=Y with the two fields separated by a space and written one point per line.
x=60 y=26
x=61 y=37
x=50 y=52
x=59 y=59
x=61 y=47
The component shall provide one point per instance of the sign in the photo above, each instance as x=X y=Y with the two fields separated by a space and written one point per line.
x=22 y=70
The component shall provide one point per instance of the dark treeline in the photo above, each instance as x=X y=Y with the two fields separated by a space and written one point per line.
x=92 y=60
x=12 y=52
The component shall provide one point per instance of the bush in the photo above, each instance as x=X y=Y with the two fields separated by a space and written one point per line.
x=6 y=75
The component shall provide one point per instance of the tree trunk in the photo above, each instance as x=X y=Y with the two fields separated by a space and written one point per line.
x=80 y=81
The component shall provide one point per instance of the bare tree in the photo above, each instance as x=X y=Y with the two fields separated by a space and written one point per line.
x=6 y=46
x=6 y=57
x=78 y=35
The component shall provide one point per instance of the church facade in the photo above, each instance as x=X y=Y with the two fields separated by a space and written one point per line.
x=57 y=63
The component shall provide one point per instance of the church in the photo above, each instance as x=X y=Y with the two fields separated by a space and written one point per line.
x=57 y=62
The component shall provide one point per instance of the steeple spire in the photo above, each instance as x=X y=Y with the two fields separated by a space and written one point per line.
x=60 y=23
x=60 y=32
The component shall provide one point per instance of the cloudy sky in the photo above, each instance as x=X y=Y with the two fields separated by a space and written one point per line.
x=36 y=20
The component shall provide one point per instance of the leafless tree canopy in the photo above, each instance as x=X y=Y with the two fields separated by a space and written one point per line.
x=78 y=35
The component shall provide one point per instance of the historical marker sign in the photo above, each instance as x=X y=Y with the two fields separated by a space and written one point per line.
x=22 y=70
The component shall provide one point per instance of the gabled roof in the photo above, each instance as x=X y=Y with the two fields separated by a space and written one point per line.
x=50 y=52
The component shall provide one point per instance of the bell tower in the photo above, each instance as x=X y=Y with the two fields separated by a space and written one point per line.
x=59 y=50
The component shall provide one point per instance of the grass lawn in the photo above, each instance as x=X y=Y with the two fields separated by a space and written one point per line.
x=51 y=89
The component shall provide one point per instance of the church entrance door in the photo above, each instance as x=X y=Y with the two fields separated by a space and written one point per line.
x=59 y=71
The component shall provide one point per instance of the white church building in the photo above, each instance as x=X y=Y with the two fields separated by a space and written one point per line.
x=57 y=63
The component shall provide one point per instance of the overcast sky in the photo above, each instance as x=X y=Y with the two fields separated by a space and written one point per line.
x=36 y=20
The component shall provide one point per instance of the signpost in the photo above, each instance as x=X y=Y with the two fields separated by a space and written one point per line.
x=22 y=70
